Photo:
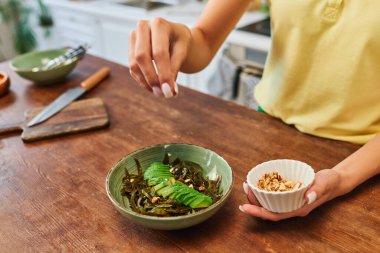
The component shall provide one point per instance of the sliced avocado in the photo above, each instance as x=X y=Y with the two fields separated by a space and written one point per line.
x=178 y=183
x=192 y=197
x=156 y=173
x=159 y=191
x=188 y=199
x=165 y=191
x=180 y=195
x=160 y=185
x=155 y=181
x=176 y=191
x=201 y=201
x=156 y=169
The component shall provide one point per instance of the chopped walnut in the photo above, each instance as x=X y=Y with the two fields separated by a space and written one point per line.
x=155 y=199
x=273 y=182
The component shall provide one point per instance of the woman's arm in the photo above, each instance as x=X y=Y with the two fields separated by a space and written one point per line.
x=360 y=166
x=216 y=22
x=170 y=47
x=329 y=183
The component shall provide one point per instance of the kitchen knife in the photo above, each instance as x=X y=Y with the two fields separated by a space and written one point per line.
x=69 y=96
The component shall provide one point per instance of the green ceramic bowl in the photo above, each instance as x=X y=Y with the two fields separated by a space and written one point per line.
x=28 y=66
x=209 y=161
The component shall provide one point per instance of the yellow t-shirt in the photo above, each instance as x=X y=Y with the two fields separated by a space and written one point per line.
x=323 y=71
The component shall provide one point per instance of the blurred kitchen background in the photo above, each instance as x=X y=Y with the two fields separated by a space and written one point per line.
x=105 y=25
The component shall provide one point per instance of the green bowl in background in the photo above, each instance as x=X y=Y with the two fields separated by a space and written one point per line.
x=207 y=159
x=29 y=66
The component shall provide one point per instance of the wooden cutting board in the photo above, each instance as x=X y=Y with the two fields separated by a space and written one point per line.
x=77 y=117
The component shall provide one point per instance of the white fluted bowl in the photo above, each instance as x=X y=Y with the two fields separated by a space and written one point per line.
x=286 y=201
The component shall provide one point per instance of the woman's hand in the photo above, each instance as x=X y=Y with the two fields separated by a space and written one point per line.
x=159 y=49
x=158 y=45
x=325 y=187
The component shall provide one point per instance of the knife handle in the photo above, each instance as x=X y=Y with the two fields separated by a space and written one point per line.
x=96 y=78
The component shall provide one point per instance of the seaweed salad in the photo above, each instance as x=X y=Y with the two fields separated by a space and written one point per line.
x=167 y=188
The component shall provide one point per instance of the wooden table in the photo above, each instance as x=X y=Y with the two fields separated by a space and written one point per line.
x=52 y=192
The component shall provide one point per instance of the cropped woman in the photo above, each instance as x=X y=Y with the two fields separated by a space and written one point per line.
x=322 y=76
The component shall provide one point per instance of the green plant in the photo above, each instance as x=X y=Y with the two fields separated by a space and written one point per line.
x=45 y=18
x=14 y=11
x=23 y=36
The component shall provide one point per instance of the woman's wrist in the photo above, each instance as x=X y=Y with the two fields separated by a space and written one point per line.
x=347 y=180
x=359 y=166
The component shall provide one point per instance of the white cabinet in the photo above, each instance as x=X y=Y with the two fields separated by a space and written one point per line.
x=115 y=37
x=107 y=37
x=75 y=28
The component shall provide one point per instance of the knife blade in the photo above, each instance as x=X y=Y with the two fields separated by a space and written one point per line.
x=69 y=96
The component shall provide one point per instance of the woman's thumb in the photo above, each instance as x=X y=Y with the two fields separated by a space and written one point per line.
x=321 y=186
x=314 y=192
x=311 y=196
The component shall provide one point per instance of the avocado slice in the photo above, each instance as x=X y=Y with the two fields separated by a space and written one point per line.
x=188 y=199
x=176 y=191
x=180 y=195
x=157 y=169
x=201 y=201
x=165 y=191
x=154 y=181
x=160 y=185
x=158 y=175
x=188 y=196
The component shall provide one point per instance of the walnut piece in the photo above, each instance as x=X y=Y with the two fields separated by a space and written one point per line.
x=202 y=188
x=155 y=200
x=273 y=182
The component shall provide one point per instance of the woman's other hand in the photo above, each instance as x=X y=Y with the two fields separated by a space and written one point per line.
x=156 y=52
x=324 y=188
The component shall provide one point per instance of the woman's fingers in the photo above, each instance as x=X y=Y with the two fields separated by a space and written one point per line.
x=157 y=50
x=324 y=186
x=134 y=68
x=180 y=48
x=160 y=32
x=143 y=53
x=251 y=197
x=316 y=190
x=261 y=212
x=265 y=214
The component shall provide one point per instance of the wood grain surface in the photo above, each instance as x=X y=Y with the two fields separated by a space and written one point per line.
x=79 y=116
x=52 y=192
